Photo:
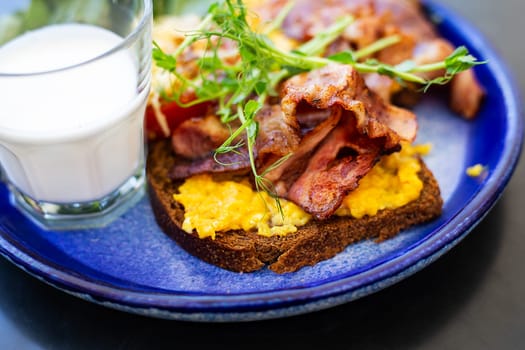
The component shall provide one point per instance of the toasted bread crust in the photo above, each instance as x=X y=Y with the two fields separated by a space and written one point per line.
x=316 y=241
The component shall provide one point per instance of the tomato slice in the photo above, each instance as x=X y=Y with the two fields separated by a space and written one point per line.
x=175 y=115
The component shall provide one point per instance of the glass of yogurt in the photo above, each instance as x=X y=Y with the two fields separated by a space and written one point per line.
x=74 y=80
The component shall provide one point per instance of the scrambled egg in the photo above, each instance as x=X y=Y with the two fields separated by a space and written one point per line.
x=227 y=205
x=212 y=206
x=476 y=170
x=392 y=183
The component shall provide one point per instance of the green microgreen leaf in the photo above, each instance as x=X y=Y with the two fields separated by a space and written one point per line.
x=251 y=108
x=252 y=129
x=344 y=57
x=163 y=60
x=261 y=87
x=461 y=60
x=276 y=164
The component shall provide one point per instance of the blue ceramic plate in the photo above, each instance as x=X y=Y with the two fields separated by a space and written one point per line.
x=132 y=266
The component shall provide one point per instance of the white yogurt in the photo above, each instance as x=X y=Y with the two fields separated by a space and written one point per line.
x=72 y=135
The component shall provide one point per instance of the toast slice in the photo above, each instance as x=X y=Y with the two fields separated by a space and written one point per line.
x=243 y=251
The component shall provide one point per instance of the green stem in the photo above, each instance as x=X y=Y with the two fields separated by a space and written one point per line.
x=318 y=44
x=278 y=21
x=190 y=39
x=250 y=142
x=225 y=147
x=381 y=69
x=429 y=67
x=377 y=46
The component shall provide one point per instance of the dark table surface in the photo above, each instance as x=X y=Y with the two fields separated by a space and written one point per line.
x=472 y=298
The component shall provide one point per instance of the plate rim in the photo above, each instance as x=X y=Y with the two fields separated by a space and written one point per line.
x=286 y=302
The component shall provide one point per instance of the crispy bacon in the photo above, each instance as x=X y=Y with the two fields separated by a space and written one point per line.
x=308 y=18
x=374 y=18
x=340 y=85
x=230 y=162
x=197 y=137
x=382 y=85
x=340 y=150
x=466 y=94
x=284 y=175
x=335 y=169
x=279 y=134
x=407 y=16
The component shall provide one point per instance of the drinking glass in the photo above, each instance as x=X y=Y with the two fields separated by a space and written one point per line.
x=74 y=81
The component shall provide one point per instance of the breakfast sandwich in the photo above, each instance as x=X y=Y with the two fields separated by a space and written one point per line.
x=280 y=132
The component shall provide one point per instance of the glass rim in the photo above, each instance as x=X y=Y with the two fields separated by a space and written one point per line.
x=144 y=20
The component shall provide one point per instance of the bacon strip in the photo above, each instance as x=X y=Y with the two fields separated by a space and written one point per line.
x=198 y=137
x=321 y=188
x=279 y=134
x=466 y=94
x=292 y=168
x=332 y=158
x=220 y=164
x=340 y=85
